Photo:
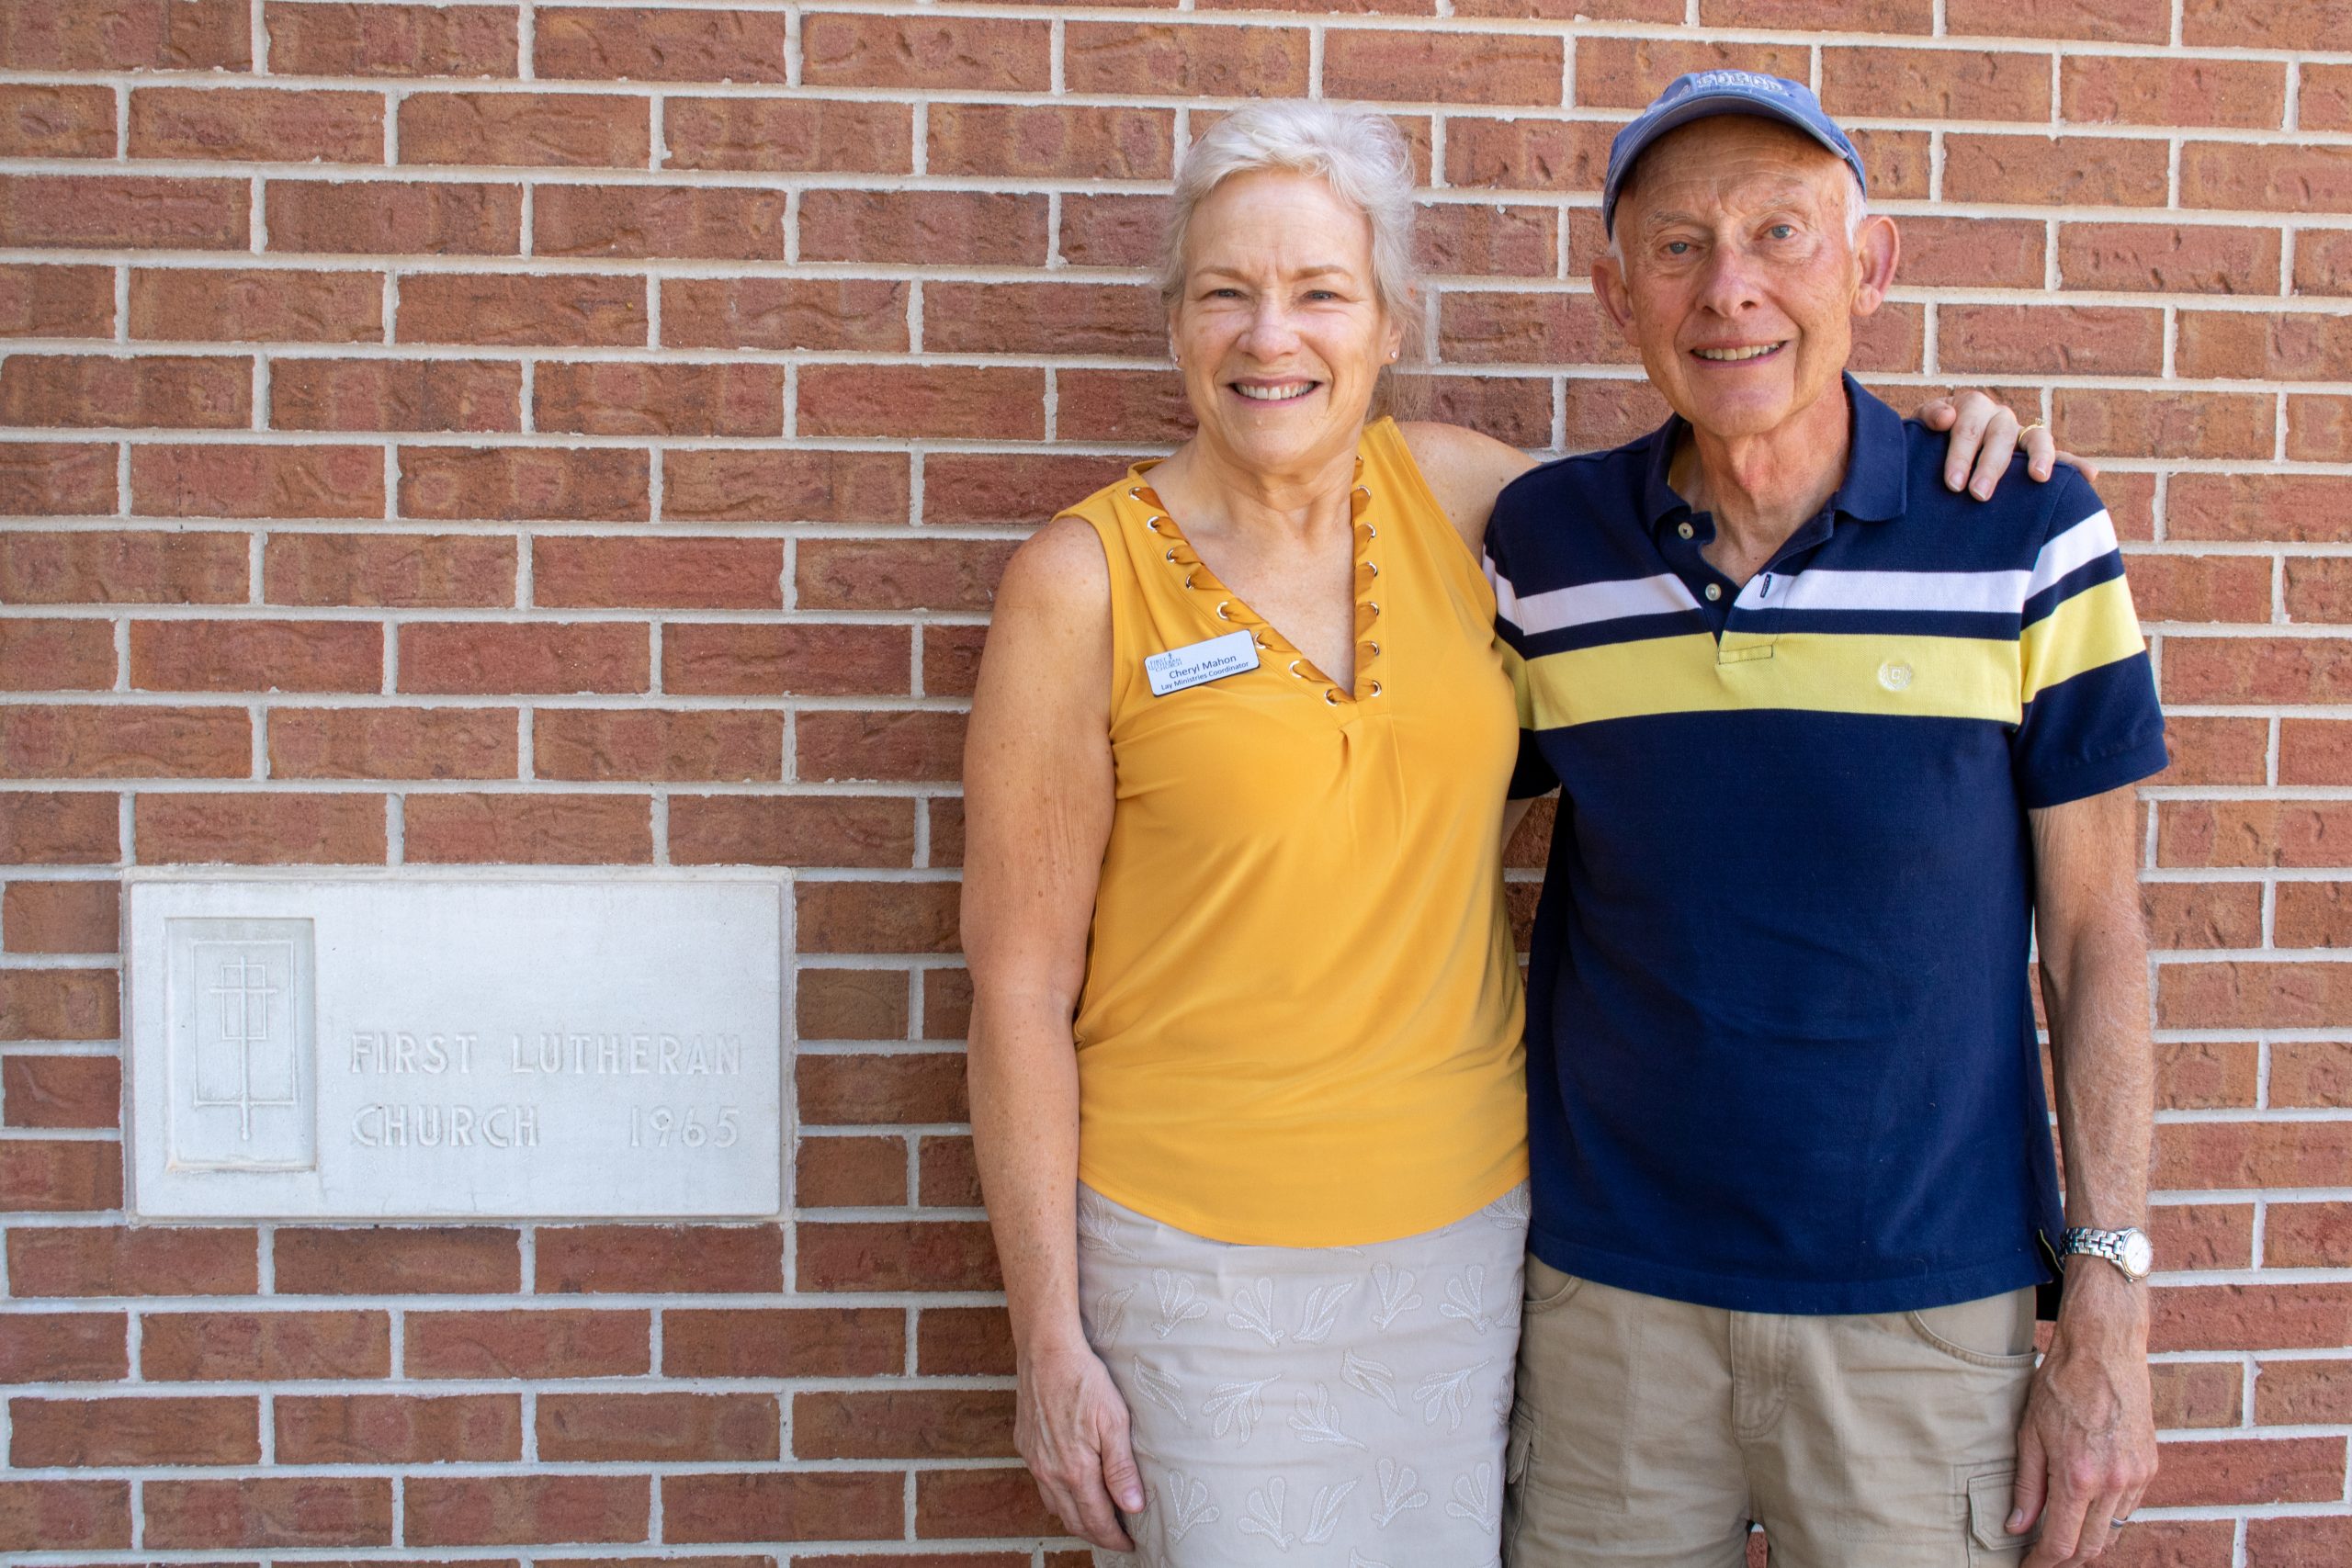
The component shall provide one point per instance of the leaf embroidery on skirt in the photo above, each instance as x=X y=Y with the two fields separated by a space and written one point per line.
x=1399 y=1489
x=1367 y=1376
x=1179 y=1301
x=1253 y=1312
x=1236 y=1407
x=1316 y=1421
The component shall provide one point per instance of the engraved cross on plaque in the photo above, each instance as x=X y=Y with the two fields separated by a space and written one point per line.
x=244 y=993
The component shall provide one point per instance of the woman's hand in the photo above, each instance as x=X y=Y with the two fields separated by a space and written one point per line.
x=1071 y=1430
x=1984 y=436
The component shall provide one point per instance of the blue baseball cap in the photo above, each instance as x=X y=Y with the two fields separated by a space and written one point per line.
x=1703 y=93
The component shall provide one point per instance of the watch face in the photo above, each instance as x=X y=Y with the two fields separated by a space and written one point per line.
x=2139 y=1256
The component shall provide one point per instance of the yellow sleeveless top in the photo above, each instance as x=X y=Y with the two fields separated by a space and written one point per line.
x=1300 y=1019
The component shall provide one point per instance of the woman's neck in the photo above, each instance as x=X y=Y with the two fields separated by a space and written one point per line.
x=1211 y=490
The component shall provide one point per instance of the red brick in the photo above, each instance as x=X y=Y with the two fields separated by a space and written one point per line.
x=622 y=398
x=1512 y=408
x=55 y=741
x=1492 y=326
x=50 y=479
x=57 y=1004
x=2119 y=21
x=926 y=1423
x=2324 y=102
x=1129 y=58
x=1972 y=253
x=395 y=394
x=126 y=35
x=2303 y=1393
x=849 y=1092
x=782 y=1506
x=1023 y=488
x=707 y=1258
x=2158 y=90
x=666 y=572
x=734 y=658
x=1484 y=238
x=1049 y=318
x=111 y=1260
x=2197 y=915
x=486 y=658
x=256 y=656
x=850 y=1004
x=153 y=1430
x=56 y=301
x=658 y=1427
x=1527 y=154
x=795 y=830
x=2162 y=258
x=2203 y=1236
x=935 y=53
x=1620 y=72
x=258 y=829
x=2240 y=1472
x=2290 y=1542
x=383 y=1428
x=269 y=127
x=1877 y=16
x=55 y=1177
x=396 y=1260
x=59 y=917
x=40 y=828
x=943 y=1254
x=698 y=746
x=51 y=121
x=2254 y=995
x=2323 y=262
x=775 y=1342
x=878 y=574
x=875 y=917
x=392 y=743
x=2230 y=1318
x=2184 y=424
x=123 y=211
x=400 y=571
x=2299 y=508
x=660 y=45
x=789 y=135
x=526 y=130
x=52 y=1515
x=372 y=39
x=566 y=1343
x=2044 y=171
x=251 y=482
x=2205 y=1075
x=645 y=221
x=1478 y=68
x=2215 y=344
x=2319 y=430
x=2266 y=23
x=2197 y=1394
x=64 y=1346
x=61 y=1091
x=1935 y=83
x=2285 y=178
x=2253 y=832
x=849 y=1173
x=48 y=656
x=538 y=830
x=270 y=1511
x=594 y=484
x=1034 y=142
x=975 y=402
x=256 y=305
x=264 y=1346
x=562 y=311
x=2256 y=670
x=949 y=1172
x=394 y=217
x=1110 y=231
x=997 y=1502
x=2201 y=588
x=923 y=227
x=951 y=660
x=750 y=485
x=2318 y=587
x=2313 y=914
x=93 y=390
x=2066 y=340
x=2307 y=1236
x=898 y=745
x=964 y=1341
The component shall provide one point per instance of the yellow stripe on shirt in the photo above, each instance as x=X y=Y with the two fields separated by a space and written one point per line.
x=2095 y=627
x=1861 y=672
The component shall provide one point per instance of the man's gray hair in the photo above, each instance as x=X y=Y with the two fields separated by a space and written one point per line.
x=1357 y=151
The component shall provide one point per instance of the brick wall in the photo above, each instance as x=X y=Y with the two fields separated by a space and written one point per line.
x=585 y=433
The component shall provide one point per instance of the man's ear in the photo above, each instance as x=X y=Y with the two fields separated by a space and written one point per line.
x=1608 y=287
x=1876 y=249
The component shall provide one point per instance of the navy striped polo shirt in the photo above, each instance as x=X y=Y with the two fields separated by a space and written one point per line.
x=1780 y=1045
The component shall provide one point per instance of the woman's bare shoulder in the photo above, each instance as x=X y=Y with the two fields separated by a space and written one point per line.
x=1059 y=569
x=1465 y=470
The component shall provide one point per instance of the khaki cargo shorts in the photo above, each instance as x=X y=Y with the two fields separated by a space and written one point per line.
x=1652 y=1432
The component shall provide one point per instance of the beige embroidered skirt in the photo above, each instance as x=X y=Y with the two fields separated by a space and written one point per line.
x=1310 y=1406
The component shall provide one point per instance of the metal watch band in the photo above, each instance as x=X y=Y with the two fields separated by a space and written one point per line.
x=2116 y=1246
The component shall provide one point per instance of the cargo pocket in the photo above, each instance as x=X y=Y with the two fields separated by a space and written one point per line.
x=1521 y=1444
x=1989 y=1499
x=1547 y=1288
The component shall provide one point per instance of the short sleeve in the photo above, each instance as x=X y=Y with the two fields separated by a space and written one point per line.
x=2090 y=720
x=1532 y=775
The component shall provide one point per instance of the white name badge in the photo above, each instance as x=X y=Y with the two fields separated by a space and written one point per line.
x=1201 y=662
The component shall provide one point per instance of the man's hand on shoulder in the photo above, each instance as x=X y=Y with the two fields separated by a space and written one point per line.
x=2086 y=1449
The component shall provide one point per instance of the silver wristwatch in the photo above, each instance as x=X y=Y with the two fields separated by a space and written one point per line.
x=2129 y=1250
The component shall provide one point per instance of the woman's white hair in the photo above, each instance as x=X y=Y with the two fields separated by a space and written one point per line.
x=1359 y=152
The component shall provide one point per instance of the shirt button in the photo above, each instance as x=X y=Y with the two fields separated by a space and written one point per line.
x=1685 y=529
x=1714 y=591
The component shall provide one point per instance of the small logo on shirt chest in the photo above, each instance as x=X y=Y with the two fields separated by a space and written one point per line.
x=1894 y=675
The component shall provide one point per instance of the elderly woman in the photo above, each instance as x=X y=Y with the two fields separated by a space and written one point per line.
x=1236 y=784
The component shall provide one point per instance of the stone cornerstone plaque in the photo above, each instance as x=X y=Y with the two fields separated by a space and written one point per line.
x=416 y=1047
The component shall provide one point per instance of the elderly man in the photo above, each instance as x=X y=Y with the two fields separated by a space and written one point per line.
x=1832 y=743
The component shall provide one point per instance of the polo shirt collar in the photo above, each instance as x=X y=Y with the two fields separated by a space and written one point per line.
x=1875 y=488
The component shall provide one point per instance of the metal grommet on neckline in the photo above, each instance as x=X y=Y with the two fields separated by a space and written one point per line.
x=1295 y=671
x=1153 y=523
x=1134 y=493
x=1170 y=556
x=1375 y=688
x=1188 y=579
x=1375 y=648
x=1332 y=695
x=1220 y=609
